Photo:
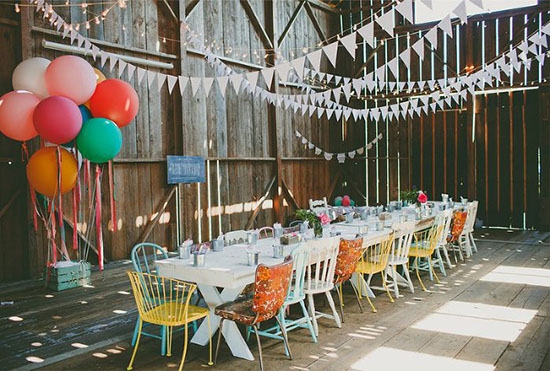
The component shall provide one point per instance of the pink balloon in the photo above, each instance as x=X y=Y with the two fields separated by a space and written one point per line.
x=71 y=77
x=57 y=120
x=16 y=110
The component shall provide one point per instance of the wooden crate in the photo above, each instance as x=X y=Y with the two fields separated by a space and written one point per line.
x=67 y=276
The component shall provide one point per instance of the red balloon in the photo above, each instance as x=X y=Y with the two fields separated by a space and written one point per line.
x=57 y=119
x=115 y=100
x=16 y=109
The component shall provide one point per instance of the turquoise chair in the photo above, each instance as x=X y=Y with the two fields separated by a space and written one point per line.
x=142 y=255
x=295 y=295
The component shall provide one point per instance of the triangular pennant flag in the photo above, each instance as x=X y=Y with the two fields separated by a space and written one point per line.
x=95 y=51
x=298 y=65
x=381 y=73
x=331 y=51
x=360 y=151
x=130 y=71
x=103 y=58
x=357 y=86
x=140 y=74
x=349 y=43
x=406 y=57
x=428 y=3
x=431 y=36
x=252 y=78
x=478 y=3
x=79 y=40
x=171 y=82
x=338 y=114
x=336 y=92
x=460 y=12
x=315 y=59
x=150 y=78
x=195 y=84
x=418 y=48
x=160 y=80
x=393 y=65
x=207 y=84
x=267 y=74
x=183 y=80
x=387 y=22
x=367 y=33
x=446 y=26
x=282 y=70
x=121 y=67
x=406 y=10
x=112 y=62
x=351 y=154
x=347 y=91
x=236 y=81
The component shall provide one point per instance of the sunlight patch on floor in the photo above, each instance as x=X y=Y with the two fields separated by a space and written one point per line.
x=519 y=275
x=476 y=319
x=382 y=357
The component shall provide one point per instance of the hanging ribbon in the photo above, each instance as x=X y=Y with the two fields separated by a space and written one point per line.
x=88 y=181
x=60 y=202
x=111 y=196
x=52 y=232
x=98 y=216
x=76 y=200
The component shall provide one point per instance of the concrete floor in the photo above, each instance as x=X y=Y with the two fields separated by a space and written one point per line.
x=491 y=312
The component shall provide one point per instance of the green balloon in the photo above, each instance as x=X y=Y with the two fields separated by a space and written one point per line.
x=99 y=140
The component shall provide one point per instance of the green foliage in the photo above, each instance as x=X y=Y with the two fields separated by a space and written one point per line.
x=410 y=196
x=312 y=219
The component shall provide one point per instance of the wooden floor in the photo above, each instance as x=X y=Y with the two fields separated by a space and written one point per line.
x=491 y=312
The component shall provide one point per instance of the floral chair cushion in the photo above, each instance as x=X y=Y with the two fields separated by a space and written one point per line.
x=349 y=254
x=459 y=219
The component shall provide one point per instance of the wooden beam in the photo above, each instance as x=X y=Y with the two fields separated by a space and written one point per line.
x=316 y=24
x=258 y=27
x=289 y=197
x=161 y=207
x=324 y=6
x=190 y=6
x=9 y=203
x=171 y=10
x=470 y=148
x=267 y=190
x=291 y=21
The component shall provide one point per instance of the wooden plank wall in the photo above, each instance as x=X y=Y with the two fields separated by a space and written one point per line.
x=232 y=132
x=435 y=152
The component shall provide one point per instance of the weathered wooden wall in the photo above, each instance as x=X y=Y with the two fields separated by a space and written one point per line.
x=435 y=152
x=246 y=142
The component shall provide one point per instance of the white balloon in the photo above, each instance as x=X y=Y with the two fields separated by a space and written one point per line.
x=29 y=76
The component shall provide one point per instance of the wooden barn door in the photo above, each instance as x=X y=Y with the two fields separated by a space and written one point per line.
x=13 y=181
x=511 y=157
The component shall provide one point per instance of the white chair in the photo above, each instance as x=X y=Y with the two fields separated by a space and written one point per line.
x=319 y=206
x=235 y=237
x=399 y=256
x=320 y=277
x=442 y=244
x=470 y=224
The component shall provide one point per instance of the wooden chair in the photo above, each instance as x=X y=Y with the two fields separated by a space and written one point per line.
x=349 y=254
x=320 y=278
x=454 y=240
x=466 y=238
x=443 y=220
x=375 y=260
x=165 y=302
x=295 y=295
x=235 y=237
x=319 y=206
x=442 y=244
x=266 y=232
x=270 y=289
x=424 y=245
x=399 y=255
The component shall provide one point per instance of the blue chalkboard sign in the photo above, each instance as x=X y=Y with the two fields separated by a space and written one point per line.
x=185 y=169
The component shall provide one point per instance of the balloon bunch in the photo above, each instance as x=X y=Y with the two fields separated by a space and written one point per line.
x=344 y=201
x=71 y=105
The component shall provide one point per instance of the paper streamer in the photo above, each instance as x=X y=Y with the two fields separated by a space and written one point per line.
x=98 y=216
x=111 y=196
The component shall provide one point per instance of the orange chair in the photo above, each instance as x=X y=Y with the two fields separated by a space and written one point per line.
x=270 y=289
x=453 y=240
x=349 y=254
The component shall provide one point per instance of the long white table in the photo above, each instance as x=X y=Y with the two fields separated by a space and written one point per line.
x=229 y=271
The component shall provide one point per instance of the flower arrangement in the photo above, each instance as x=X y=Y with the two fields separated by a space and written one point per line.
x=324 y=218
x=422 y=198
x=413 y=196
x=313 y=220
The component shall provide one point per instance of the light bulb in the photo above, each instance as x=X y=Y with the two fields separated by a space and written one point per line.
x=17 y=10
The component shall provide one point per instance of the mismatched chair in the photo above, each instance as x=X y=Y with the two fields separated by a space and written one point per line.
x=165 y=302
x=399 y=255
x=454 y=241
x=319 y=206
x=349 y=253
x=235 y=237
x=266 y=232
x=424 y=245
x=270 y=290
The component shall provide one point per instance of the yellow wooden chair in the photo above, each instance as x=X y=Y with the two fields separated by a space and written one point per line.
x=375 y=260
x=165 y=301
x=424 y=245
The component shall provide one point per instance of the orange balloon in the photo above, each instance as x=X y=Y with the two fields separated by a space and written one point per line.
x=42 y=171
x=100 y=77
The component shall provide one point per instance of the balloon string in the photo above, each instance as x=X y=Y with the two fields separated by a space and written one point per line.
x=111 y=196
x=76 y=201
x=88 y=180
x=54 y=247
x=75 y=237
x=60 y=201
x=24 y=152
x=98 y=216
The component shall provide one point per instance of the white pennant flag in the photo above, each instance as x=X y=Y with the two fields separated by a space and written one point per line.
x=140 y=74
x=282 y=70
x=103 y=59
x=328 y=156
x=406 y=10
x=171 y=82
x=252 y=78
x=406 y=57
x=331 y=51
x=418 y=48
x=150 y=78
x=121 y=67
x=222 y=84
x=183 y=80
x=478 y=3
x=267 y=74
x=160 y=80
x=349 y=43
x=387 y=22
x=367 y=33
x=298 y=65
x=236 y=80
x=446 y=26
x=207 y=84
x=315 y=59
x=112 y=62
x=195 y=84
x=460 y=12
x=393 y=64
x=130 y=71
x=381 y=73
x=428 y=3
x=431 y=36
